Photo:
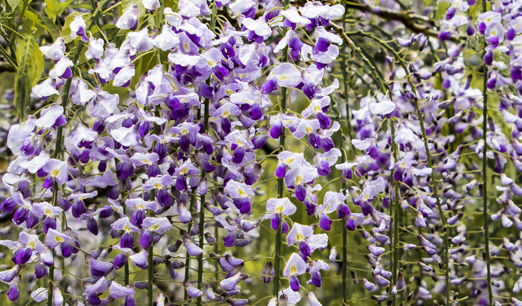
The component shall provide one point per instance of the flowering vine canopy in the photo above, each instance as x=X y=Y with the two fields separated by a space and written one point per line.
x=248 y=152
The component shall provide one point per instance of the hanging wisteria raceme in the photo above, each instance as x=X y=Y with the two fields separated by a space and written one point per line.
x=263 y=152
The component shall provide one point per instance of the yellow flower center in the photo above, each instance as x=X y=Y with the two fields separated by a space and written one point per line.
x=288 y=161
x=293 y=270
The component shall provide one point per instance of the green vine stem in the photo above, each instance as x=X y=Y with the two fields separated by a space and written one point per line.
x=345 y=78
x=395 y=253
x=216 y=250
x=280 y=188
x=150 y=262
x=126 y=267
x=485 y=168
x=201 y=228
x=126 y=273
x=150 y=278
x=150 y=250
x=189 y=226
x=344 y=266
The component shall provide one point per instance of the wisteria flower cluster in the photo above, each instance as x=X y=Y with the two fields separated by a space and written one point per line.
x=263 y=152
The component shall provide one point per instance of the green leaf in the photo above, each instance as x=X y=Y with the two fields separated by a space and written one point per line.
x=13 y=3
x=442 y=8
x=31 y=64
x=54 y=8
x=143 y=64
x=30 y=57
x=35 y=19
x=54 y=30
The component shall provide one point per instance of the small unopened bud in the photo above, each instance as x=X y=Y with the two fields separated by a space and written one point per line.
x=268 y=272
x=141 y=285
x=209 y=238
x=174 y=247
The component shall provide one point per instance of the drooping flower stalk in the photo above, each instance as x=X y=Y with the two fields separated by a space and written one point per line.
x=395 y=208
x=59 y=149
x=485 y=216
x=420 y=117
x=201 y=222
x=444 y=222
